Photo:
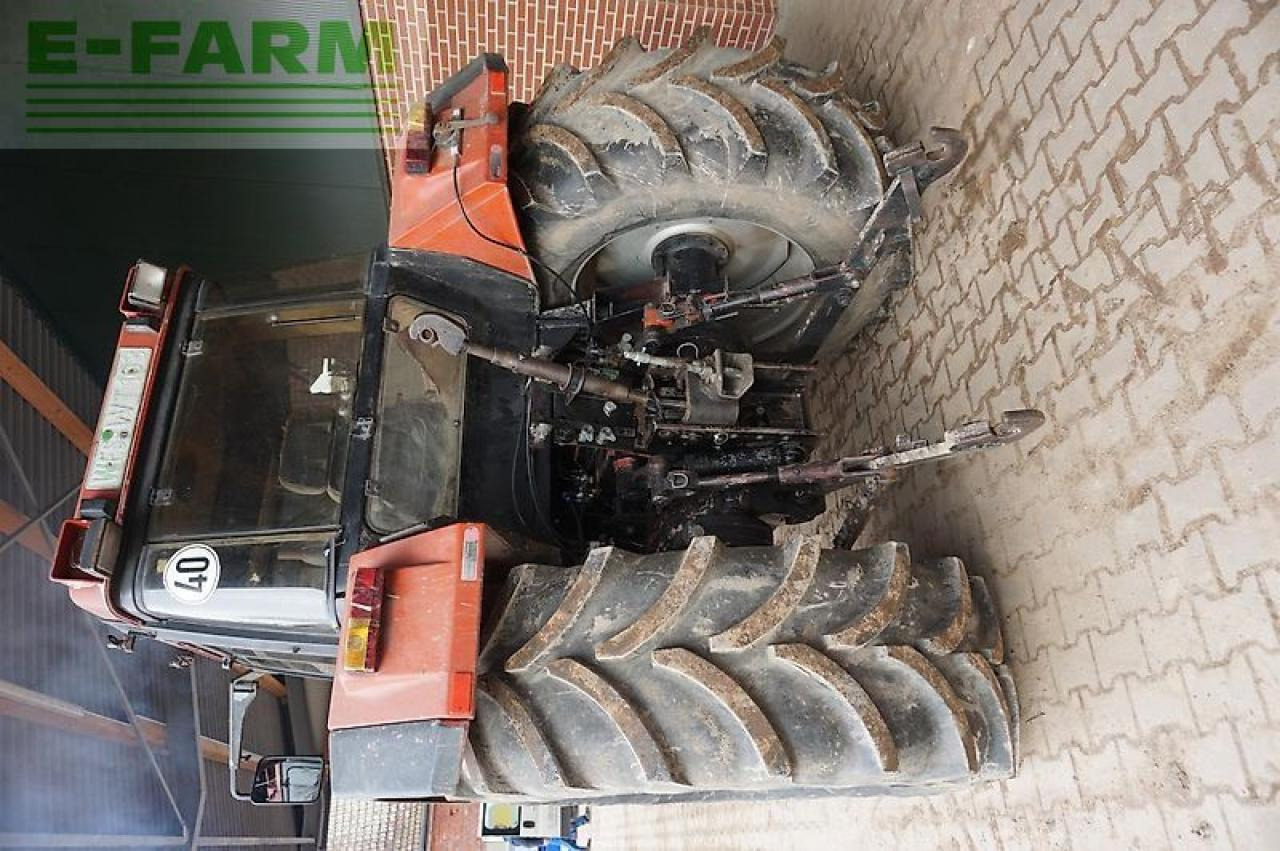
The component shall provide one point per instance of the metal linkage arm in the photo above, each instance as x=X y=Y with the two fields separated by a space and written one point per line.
x=434 y=329
x=912 y=168
x=970 y=437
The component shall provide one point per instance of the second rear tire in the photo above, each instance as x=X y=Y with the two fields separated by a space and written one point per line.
x=719 y=672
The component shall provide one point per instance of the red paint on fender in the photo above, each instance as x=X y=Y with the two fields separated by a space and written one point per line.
x=425 y=211
x=430 y=630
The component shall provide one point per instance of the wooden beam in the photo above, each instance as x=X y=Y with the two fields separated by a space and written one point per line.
x=19 y=376
x=267 y=682
x=19 y=702
x=34 y=539
x=28 y=705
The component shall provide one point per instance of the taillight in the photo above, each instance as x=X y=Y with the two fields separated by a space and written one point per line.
x=418 y=141
x=364 y=620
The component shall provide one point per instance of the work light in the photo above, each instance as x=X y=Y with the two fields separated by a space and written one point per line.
x=146 y=285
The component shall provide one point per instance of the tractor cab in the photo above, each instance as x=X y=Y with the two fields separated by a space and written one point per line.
x=258 y=439
x=254 y=466
x=255 y=462
x=268 y=431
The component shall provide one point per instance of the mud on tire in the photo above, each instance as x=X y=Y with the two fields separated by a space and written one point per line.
x=699 y=131
x=740 y=672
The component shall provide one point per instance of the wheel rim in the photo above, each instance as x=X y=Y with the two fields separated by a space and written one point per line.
x=757 y=255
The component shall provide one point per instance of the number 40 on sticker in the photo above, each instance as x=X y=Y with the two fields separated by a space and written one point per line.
x=191 y=574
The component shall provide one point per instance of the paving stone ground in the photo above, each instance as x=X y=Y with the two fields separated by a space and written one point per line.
x=1108 y=254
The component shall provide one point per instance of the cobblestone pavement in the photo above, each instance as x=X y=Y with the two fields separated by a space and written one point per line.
x=1108 y=253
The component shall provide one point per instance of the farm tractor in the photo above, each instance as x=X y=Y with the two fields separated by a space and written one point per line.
x=512 y=482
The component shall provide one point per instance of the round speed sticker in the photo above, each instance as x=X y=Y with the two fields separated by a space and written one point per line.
x=191 y=574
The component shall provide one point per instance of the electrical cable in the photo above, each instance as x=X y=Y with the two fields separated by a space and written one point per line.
x=785 y=260
x=530 y=476
x=515 y=457
x=574 y=295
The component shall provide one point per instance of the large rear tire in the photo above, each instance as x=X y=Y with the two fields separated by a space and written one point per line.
x=720 y=672
x=764 y=154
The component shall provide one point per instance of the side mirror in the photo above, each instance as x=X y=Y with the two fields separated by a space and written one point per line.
x=287 y=780
x=276 y=779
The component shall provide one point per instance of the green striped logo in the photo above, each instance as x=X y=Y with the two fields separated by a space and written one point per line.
x=166 y=69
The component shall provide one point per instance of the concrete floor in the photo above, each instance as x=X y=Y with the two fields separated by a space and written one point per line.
x=1108 y=253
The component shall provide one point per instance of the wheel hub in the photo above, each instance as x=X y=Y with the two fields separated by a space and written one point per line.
x=691 y=262
x=752 y=254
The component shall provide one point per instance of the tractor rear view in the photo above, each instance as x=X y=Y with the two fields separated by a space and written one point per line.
x=515 y=483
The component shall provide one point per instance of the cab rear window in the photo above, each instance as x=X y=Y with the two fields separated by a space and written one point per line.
x=263 y=418
x=418 y=443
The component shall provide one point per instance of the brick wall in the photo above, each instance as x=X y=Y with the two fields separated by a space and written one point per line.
x=434 y=38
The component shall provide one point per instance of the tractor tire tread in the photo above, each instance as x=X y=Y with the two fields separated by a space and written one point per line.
x=694 y=132
x=712 y=672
